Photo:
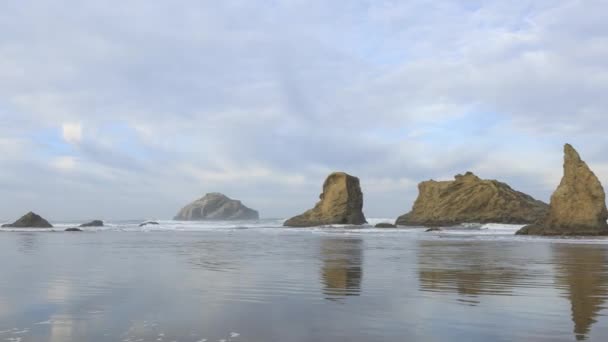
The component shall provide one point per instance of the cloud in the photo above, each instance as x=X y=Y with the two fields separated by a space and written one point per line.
x=72 y=132
x=141 y=100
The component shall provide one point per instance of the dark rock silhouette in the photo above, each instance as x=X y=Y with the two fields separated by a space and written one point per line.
x=148 y=223
x=94 y=223
x=385 y=225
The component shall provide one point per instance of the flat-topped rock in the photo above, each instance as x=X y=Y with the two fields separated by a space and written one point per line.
x=341 y=202
x=578 y=206
x=385 y=225
x=29 y=220
x=469 y=199
x=216 y=206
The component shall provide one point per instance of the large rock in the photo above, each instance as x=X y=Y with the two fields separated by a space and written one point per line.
x=216 y=206
x=469 y=199
x=29 y=220
x=341 y=203
x=578 y=206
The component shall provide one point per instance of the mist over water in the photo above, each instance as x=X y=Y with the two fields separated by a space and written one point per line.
x=184 y=281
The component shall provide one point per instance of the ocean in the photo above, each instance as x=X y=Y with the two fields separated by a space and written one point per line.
x=259 y=282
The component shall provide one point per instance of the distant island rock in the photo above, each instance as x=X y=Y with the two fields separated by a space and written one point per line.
x=469 y=199
x=578 y=206
x=29 y=220
x=94 y=223
x=341 y=203
x=216 y=206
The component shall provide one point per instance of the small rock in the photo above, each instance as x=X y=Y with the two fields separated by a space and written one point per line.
x=434 y=229
x=147 y=223
x=73 y=229
x=94 y=223
x=385 y=225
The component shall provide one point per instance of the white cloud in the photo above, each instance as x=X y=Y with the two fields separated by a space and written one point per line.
x=72 y=132
x=64 y=163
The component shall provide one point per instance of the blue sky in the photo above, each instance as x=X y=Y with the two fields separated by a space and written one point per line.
x=131 y=109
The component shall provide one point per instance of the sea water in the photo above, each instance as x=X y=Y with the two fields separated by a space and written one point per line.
x=258 y=281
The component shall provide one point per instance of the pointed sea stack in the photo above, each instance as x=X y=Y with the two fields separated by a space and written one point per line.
x=469 y=199
x=341 y=203
x=29 y=220
x=216 y=206
x=578 y=206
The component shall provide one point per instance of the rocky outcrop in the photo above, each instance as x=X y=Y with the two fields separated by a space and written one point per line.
x=94 y=223
x=73 y=230
x=578 y=206
x=216 y=206
x=143 y=224
x=29 y=220
x=385 y=225
x=469 y=199
x=341 y=203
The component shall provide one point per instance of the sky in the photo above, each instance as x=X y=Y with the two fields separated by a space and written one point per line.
x=131 y=109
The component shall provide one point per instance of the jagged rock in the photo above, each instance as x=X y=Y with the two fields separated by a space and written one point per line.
x=29 y=220
x=94 y=223
x=147 y=223
x=578 y=206
x=341 y=203
x=469 y=199
x=216 y=206
x=73 y=230
x=385 y=225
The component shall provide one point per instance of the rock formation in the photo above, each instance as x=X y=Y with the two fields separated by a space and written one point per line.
x=469 y=199
x=216 y=206
x=578 y=206
x=143 y=224
x=341 y=203
x=385 y=225
x=73 y=230
x=94 y=223
x=29 y=220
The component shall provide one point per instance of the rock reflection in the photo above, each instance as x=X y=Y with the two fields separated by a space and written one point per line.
x=341 y=272
x=460 y=268
x=582 y=273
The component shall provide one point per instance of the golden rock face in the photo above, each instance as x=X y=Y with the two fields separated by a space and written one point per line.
x=578 y=206
x=341 y=202
x=469 y=199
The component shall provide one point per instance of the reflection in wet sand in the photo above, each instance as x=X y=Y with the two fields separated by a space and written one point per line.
x=456 y=267
x=341 y=271
x=582 y=273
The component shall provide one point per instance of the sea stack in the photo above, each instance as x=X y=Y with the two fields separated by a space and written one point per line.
x=469 y=199
x=216 y=206
x=578 y=206
x=341 y=203
x=29 y=220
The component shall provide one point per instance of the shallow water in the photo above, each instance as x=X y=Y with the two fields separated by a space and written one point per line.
x=259 y=282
